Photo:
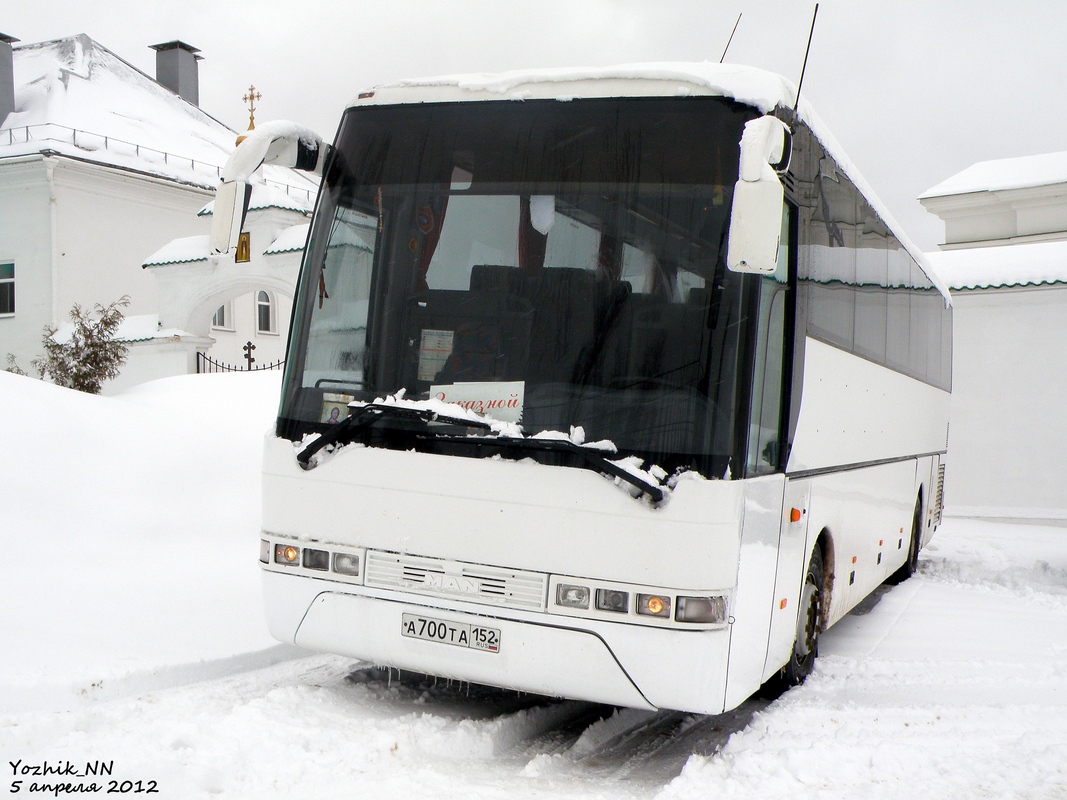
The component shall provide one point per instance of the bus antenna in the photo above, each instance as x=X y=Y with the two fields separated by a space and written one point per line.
x=730 y=39
x=807 y=50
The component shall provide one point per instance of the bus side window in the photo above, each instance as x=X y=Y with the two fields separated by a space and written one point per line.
x=765 y=416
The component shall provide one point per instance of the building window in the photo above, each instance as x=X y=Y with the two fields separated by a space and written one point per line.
x=223 y=318
x=7 y=288
x=264 y=313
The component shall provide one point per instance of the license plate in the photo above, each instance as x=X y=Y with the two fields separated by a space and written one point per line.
x=460 y=634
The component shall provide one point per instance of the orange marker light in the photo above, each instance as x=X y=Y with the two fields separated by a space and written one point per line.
x=653 y=605
x=784 y=603
x=287 y=555
x=853 y=559
x=794 y=515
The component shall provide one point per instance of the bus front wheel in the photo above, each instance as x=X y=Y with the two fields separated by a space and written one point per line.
x=809 y=622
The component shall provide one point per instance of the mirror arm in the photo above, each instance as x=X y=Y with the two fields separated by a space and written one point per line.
x=763 y=143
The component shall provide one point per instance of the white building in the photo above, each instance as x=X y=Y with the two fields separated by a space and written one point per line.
x=100 y=166
x=1005 y=257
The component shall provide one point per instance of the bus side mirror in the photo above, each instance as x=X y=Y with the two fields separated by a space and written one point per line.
x=283 y=143
x=756 y=209
x=228 y=215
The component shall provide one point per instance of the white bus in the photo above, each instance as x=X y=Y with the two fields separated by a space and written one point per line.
x=614 y=385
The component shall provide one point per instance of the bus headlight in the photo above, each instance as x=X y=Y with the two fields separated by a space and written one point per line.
x=701 y=609
x=346 y=564
x=572 y=596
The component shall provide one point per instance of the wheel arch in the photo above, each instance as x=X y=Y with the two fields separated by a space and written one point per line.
x=825 y=542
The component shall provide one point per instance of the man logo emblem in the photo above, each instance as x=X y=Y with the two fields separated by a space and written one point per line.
x=450 y=583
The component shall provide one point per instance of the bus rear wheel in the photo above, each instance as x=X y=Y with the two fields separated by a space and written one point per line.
x=911 y=566
x=809 y=622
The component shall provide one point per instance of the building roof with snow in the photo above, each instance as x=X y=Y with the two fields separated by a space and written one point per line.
x=1007 y=201
x=1035 y=264
x=1045 y=169
x=76 y=98
x=137 y=328
x=186 y=250
x=291 y=240
x=266 y=196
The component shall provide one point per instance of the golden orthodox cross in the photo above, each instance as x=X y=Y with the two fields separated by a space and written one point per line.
x=251 y=99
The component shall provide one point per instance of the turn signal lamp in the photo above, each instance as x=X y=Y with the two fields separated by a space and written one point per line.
x=654 y=605
x=287 y=555
x=572 y=596
x=612 y=600
x=345 y=564
x=701 y=609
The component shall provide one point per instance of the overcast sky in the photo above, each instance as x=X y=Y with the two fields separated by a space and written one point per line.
x=914 y=90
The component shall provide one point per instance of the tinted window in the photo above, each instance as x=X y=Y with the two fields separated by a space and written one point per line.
x=572 y=251
x=860 y=288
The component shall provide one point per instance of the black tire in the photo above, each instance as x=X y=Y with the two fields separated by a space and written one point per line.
x=911 y=566
x=809 y=625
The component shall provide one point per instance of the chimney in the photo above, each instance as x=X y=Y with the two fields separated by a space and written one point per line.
x=176 y=69
x=7 y=77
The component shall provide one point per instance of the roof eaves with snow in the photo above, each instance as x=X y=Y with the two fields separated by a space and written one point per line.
x=1005 y=174
x=265 y=197
x=290 y=240
x=1004 y=266
x=132 y=329
x=186 y=250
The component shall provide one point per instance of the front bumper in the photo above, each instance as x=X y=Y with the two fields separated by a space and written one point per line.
x=618 y=664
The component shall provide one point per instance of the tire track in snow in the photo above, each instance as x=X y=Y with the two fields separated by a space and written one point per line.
x=69 y=696
x=309 y=724
x=545 y=736
x=644 y=747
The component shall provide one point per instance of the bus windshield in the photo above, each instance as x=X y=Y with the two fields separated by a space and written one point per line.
x=561 y=264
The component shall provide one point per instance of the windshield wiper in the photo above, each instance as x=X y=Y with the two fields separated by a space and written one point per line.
x=590 y=457
x=369 y=414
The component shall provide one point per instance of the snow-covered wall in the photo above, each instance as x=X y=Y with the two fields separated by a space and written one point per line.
x=106 y=221
x=1005 y=257
x=1008 y=433
x=77 y=233
x=26 y=242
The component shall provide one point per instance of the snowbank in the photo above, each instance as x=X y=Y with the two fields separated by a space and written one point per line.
x=136 y=521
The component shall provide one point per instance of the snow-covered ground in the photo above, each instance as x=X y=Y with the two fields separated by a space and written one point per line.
x=130 y=632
